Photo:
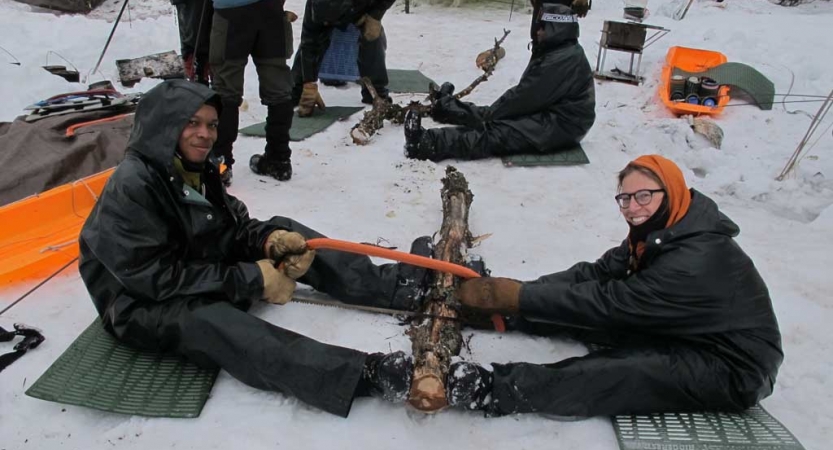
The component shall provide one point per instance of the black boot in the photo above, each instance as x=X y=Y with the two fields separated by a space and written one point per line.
x=412 y=282
x=418 y=144
x=279 y=170
x=367 y=99
x=387 y=376
x=413 y=132
x=276 y=160
x=469 y=386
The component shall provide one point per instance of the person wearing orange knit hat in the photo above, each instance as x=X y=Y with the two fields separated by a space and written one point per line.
x=683 y=317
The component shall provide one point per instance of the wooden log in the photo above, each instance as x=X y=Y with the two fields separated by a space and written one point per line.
x=436 y=340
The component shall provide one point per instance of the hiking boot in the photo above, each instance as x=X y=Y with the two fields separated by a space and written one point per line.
x=469 y=386
x=438 y=92
x=417 y=144
x=279 y=170
x=413 y=131
x=332 y=82
x=411 y=281
x=387 y=376
x=367 y=99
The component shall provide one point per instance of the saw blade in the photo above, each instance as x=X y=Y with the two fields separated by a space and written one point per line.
x=311 y=297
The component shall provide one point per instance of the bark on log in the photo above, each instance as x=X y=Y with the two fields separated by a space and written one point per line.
x=436 y=340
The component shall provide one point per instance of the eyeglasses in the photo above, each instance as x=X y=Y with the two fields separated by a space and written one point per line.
x=642 y=197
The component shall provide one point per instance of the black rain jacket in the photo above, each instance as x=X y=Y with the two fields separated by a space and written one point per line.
x=694 y=285
x=552 y=106
x=152 y=238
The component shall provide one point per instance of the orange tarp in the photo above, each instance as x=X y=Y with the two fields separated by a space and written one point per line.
x=691 y=60
x=39 y=234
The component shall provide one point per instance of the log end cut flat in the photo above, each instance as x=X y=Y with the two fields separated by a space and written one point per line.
x=428 y=394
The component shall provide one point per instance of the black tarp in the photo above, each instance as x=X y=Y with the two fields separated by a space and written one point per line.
x=38 y=156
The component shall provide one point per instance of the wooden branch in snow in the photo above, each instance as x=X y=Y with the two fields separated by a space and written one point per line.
x=381 y=110
x=488 y=68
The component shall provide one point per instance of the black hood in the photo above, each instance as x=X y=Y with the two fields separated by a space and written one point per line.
x=559 y=23
x=703 y=216
x=162 y=114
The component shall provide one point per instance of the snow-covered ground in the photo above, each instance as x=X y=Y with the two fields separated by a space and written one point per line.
x=542 y=220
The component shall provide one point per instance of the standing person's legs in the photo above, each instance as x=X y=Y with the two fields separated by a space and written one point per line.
x=372 y=65
x=275 y=93
x=315 y=40
x=271 y=50
x=228 y=66
x=202 y=68
x=261 y=355
x=194 y=19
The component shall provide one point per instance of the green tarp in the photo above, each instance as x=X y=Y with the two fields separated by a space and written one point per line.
x=304 y=127
x=98 y=372
x=408 y=81
x=569 y=157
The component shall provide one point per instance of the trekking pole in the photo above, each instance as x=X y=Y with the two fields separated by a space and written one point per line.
x=199 y=38
x=109 y=38
x=39 y=285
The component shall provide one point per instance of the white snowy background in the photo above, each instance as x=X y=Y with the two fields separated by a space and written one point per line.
x=542 y=220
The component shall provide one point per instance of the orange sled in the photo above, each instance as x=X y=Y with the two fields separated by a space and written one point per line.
x=39 y=234
x=691 y=60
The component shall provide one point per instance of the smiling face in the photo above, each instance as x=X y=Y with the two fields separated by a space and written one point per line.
x=199 y=135
x=635 y=213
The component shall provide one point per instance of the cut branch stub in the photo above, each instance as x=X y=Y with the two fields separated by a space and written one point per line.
x=436 y=340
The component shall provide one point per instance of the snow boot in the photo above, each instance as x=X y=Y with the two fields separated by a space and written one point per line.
x=469 y=386
x=418 y=144
x=413 y=132
x=412 y=280
x=387 y=376
x=279 y=170
x=276 y=159
x=367 y=99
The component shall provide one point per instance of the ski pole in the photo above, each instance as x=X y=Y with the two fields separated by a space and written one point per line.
x=109 y=38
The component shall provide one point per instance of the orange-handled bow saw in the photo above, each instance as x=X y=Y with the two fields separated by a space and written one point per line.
x=408 y=258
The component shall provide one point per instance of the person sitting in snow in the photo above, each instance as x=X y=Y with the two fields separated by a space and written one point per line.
x=173 y=262
x=684 y=318
x=551 y=109
x=320 y=18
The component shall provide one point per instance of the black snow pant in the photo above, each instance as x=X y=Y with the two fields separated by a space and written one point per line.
x=213 y=332
x=632 y=375
x=477 y=136
x=315 y=40
x=194 y=18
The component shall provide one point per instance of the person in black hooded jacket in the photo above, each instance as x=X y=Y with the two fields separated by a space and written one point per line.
x=173 y=262
x=552 y=108
x=683 y=317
